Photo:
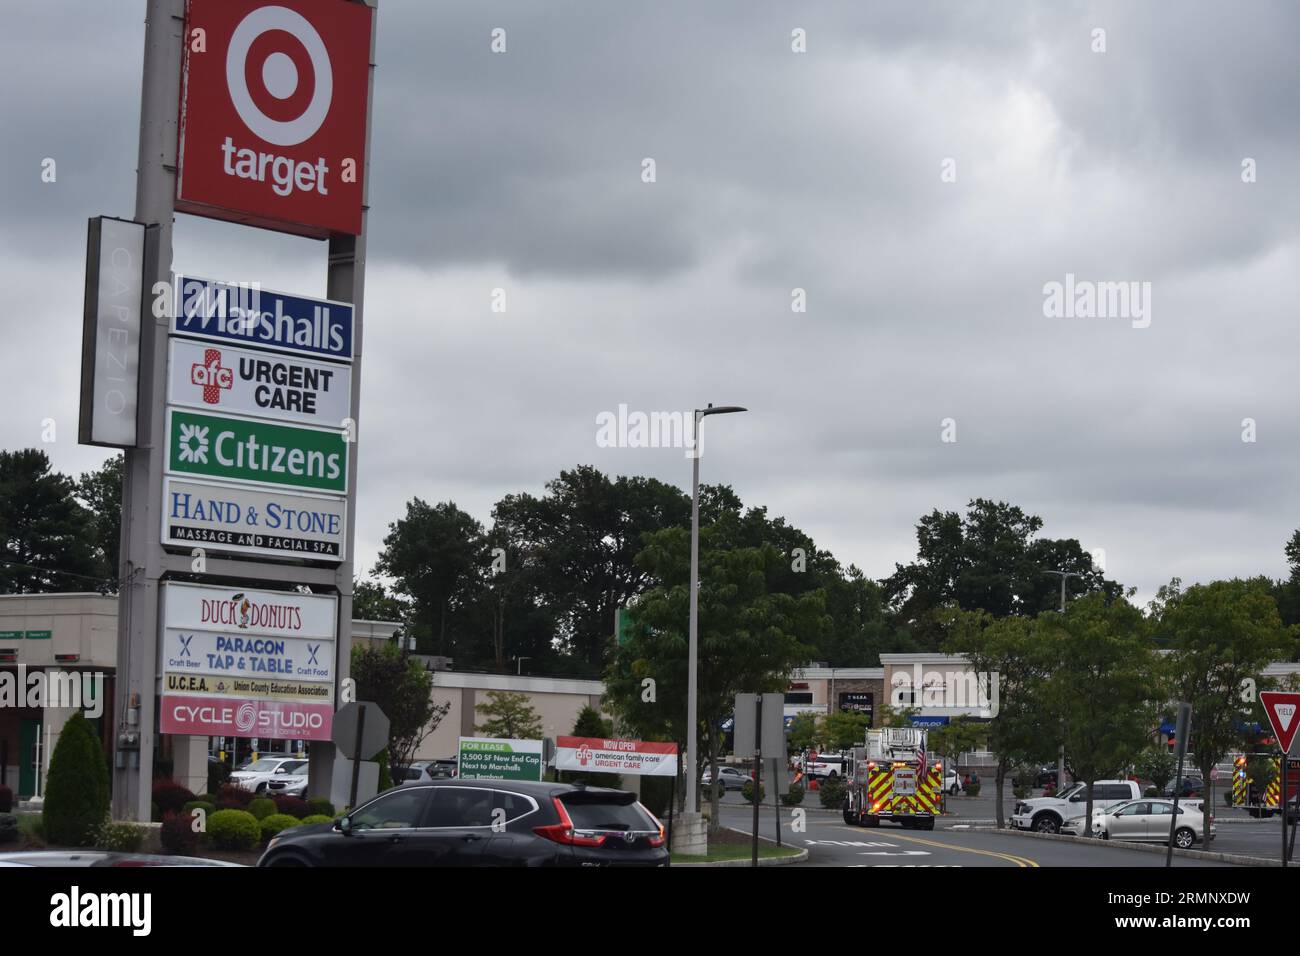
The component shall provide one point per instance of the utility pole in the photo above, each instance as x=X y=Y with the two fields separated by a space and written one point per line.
x=1060 y=754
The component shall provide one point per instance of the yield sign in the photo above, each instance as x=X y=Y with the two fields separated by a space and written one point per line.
x=1282 y=714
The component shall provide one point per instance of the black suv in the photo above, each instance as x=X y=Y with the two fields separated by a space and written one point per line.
x=481 y=823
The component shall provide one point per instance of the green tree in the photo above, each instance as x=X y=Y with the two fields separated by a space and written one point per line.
x=403 y=690
x=960 y=735
x=749 y=639
x=46 y=539
x=510 y=716
x=371 y=601
x=1220 y=636
x=989 y=561
x=1013 y=664
x=435 y=556
x=581 y=540
x=1158 y=765
x=1103 y=689
x=803 y=732
x=100 y=491
x=842 y=730
x=76 y=791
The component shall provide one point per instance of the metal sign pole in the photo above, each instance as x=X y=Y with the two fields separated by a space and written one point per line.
x=1183 y=727
x=758 y=772
x=1282 y=801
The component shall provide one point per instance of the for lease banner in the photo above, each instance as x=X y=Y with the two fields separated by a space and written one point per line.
x=203 y=607
x=604 y=755
x=489 y=758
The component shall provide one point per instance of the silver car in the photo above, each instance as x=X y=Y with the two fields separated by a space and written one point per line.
x=1147 y=821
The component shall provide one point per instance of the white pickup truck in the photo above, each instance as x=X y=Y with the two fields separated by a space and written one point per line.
x=1051 y=814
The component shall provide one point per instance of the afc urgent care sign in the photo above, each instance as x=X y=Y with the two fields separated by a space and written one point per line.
x=273 y=113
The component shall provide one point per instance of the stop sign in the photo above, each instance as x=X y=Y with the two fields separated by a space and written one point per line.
x=374 y=731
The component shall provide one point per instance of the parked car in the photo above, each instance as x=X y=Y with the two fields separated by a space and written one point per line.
x=423 y=771
x=1049 y=814
x=1147 y=821
x=289 y=778
x=1192 y=787
x=952 y=782
x=828 y=766
x=258 y=773
x=451 y=823
x=62 y=858
x=732 y=778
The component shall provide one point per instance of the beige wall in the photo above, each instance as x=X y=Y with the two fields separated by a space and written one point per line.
x=82 y=624
x=558 y=703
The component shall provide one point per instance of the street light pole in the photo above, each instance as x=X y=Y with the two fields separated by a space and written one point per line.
x=1060 y=755
x=692 y=684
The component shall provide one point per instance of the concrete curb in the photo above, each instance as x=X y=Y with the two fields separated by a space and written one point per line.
x=798 y=857
x=1145 y=848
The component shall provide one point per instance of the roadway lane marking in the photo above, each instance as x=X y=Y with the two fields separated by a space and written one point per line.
x=1019 y=861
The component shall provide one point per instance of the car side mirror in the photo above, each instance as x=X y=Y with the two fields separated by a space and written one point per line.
x=344 y=825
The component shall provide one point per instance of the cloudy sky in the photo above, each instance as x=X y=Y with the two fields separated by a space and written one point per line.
x=775 y=170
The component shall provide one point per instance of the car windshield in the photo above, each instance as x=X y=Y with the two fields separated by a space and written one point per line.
x=592 y=815
x=294 y=766
x=1070 y=791
x=262 y=766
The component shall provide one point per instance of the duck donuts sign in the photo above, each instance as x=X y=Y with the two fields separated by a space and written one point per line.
x=272 y=126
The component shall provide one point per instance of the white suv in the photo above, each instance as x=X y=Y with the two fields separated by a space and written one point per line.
x=256 y=775
x=1065 y=811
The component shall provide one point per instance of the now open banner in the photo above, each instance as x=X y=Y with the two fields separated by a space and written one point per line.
x=646 y=758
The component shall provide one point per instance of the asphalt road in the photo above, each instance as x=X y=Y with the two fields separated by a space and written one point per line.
x=831 y=843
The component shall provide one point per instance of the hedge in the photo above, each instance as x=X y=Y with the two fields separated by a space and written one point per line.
x=316 y=818
x=317 y=806
x=234 y=830
x=295 y=807
x=170 y=796
x=178 y=835
x=76 y=791
x=262 y=807
x=276 y=822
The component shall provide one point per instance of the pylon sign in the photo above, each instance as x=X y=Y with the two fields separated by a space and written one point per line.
x=272 y=128
x=1282 y=709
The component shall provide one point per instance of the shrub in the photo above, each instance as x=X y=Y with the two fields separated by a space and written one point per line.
x=973 y=789
x=295 y=807
x=385 y=773
x=76 y=792
x=261 y=807
x=832 y=794
x=232 y=796
x=795 y=796
x=8 y=828
x=208 y=798
x=1151 y=792
x=318 y=806
x=178 y=835
x=234 y=830
x=275 y=823
x=316 y=818
x=218 y=775
x=747 y=791
x=6 y=799
x=208 y=808
x=119 y=837
x=169 y=796
x=32 y=828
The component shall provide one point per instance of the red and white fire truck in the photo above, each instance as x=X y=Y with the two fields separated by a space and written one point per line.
x=893 y=779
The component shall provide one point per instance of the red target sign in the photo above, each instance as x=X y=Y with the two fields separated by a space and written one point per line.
x=272 y=128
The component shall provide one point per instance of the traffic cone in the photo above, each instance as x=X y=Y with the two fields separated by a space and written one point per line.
x=812 y=785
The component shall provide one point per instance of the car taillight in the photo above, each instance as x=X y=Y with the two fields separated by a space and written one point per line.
x=564 y=831
x=658 y=841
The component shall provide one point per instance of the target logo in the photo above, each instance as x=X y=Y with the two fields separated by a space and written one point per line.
x=273 y=113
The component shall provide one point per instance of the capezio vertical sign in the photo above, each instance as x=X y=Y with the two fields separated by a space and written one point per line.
x=110 y=344
x=273 y=117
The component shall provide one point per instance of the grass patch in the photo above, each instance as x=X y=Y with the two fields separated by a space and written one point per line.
x=727 y=844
